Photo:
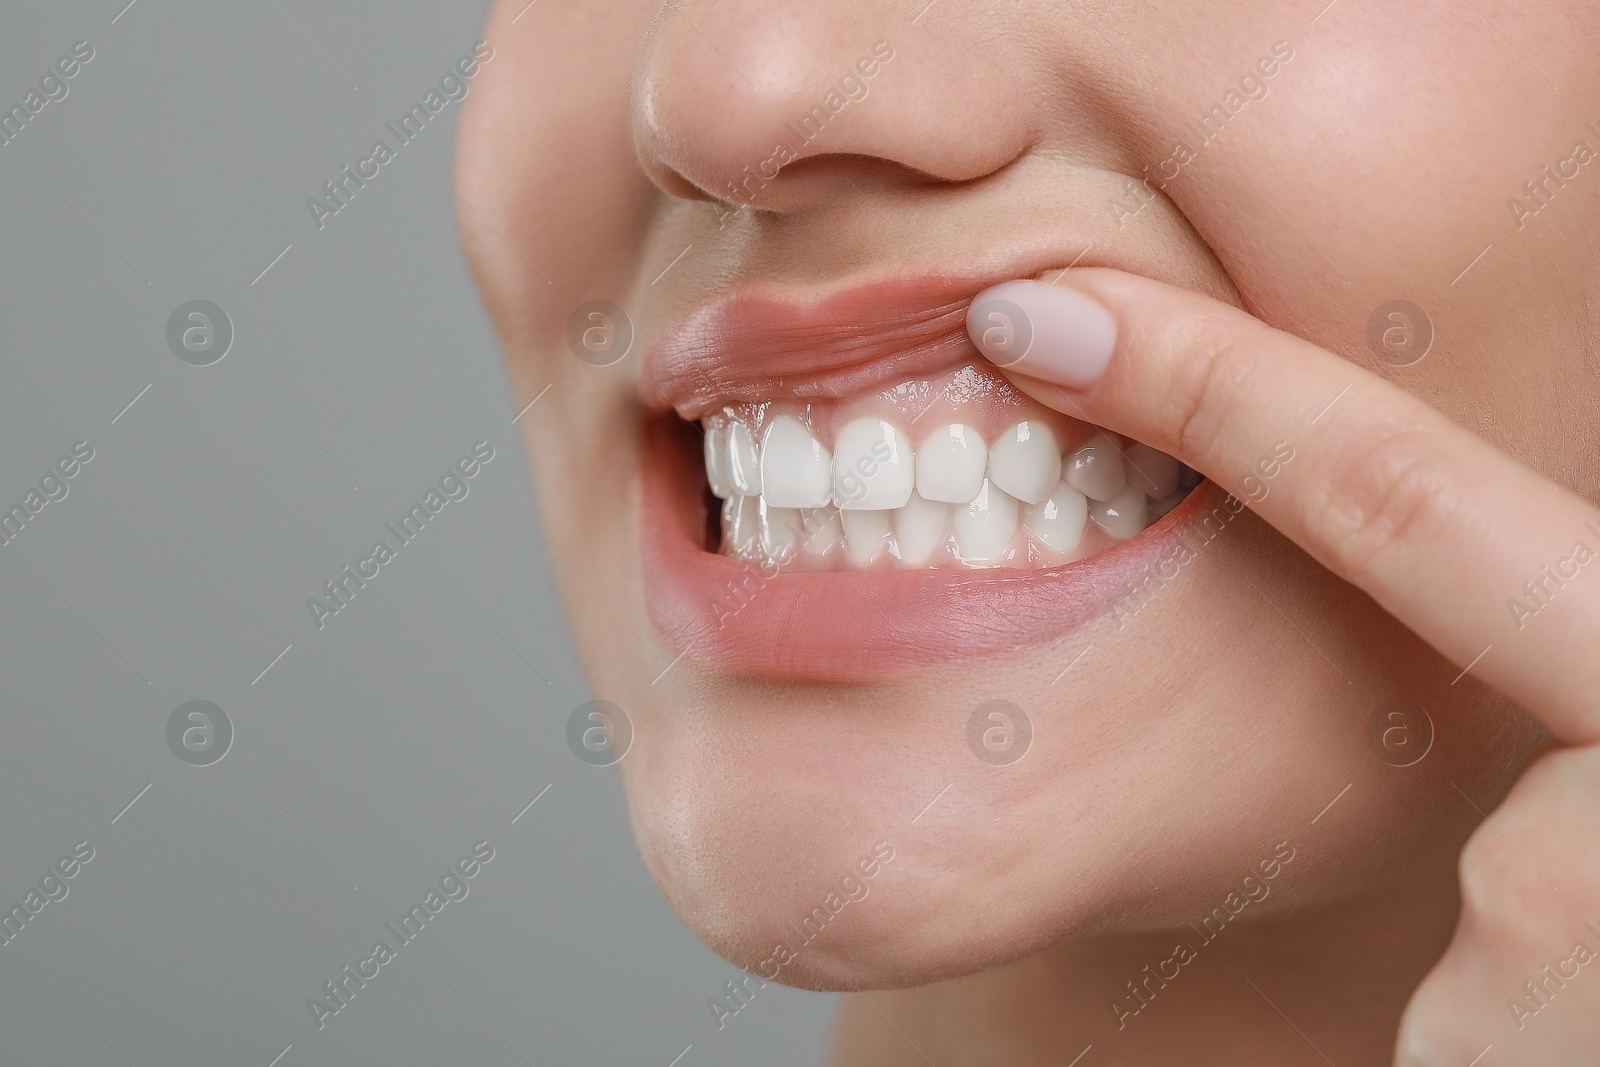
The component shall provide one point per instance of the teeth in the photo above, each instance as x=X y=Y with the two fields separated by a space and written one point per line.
x=1124 y=515
x=873 y=466
x=1026 y=461
x=717 y=460
x=1155 y=474
x=796 y=471
x=1095 y=470
x=985 y=527
x=743 y=467
x=866 y=536
x=874 y=501
x=741 y=523
x=950 y=464
x=920 y=527
x=780 y=532
x=824 y=532
x=1058 y=521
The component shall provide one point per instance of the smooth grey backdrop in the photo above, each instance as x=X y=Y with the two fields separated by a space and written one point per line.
x=372 y=753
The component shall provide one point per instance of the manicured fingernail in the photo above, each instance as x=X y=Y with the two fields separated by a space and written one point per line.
x=1053 y=332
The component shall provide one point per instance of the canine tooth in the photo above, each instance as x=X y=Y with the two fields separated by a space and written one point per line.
x=950 y=464
x=744 y=467
x=866 y=535
x=985 y=526
x=1153 y=473
x=1058 y=520
x=741 y=523
x=781 y=532
x=1095 y=469
x=1026 y=461
x=873 y=467
x=1124 y=515
x=920 y=528
x=796 y=471
x=823 y=533
x=717 y=460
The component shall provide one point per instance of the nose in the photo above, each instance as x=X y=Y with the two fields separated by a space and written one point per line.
x=770 y=104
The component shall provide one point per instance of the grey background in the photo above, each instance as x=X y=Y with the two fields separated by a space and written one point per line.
x=422 y=718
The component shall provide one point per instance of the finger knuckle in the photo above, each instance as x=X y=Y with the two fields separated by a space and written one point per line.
x=1386 y=493
x=1208 y=374
x=1491 y=876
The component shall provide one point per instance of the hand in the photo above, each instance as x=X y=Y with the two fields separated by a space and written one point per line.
x=1438 y=527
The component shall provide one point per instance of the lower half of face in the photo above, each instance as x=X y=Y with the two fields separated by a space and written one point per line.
x=923 y=677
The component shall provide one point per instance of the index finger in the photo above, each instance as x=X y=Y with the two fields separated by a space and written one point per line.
x=1446 y=532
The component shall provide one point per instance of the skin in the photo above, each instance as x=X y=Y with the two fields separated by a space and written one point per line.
x=1222 y=719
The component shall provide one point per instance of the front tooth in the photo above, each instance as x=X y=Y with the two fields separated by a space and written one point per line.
x=920 y=527
x=796 y=471
x=1026 y=461
x=823 y=532
x=1124 y=515
x=950 y=464
x=1095 y=470
x=1058 y=521
x=744 y=468
x=780 y=532
x=717 y=461
x=873 y=467
x=985 y=526
x=1153 y=473
x=741 y=523
x=866 y=535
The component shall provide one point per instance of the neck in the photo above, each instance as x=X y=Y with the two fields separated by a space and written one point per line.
x=1321 y=985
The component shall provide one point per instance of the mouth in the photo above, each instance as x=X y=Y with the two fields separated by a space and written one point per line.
x=846 y=491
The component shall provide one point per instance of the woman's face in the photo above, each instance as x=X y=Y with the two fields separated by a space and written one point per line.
x=790 y=207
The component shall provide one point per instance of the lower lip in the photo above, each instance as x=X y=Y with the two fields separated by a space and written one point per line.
x=860 y=626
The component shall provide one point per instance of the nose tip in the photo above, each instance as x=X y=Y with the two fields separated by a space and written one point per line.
x=728 y=97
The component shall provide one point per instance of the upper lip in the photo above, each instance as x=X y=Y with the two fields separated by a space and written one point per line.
x=755 y=344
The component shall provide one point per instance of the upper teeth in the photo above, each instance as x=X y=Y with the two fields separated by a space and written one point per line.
x=788 y=493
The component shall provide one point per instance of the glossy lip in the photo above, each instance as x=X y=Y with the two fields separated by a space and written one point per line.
x=753 y=345
x=861 y=626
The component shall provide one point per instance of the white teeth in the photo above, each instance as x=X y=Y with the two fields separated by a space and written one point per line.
x=717 y=460
x=1124 y=515
x=1059 y=520
x=780 y=532
x=1026 y=461
x=1095 y=469
x=741 y=523
x=823 y=533
x=743 y=467
x=873 y=501
x=920 y=528
x=796 y=471
x=985 y=527
x=1153 y=473
x=866 y=536
x=873 y=466
x=950 y=464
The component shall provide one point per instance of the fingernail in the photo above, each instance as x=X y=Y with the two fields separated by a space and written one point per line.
x=1053 y=332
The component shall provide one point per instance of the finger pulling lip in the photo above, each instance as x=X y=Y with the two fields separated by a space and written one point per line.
x=859 y=626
